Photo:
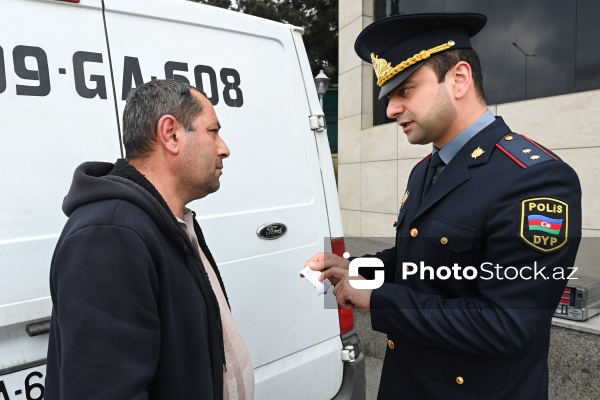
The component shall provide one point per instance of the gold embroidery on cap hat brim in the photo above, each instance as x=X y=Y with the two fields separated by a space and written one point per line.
x=384 y=71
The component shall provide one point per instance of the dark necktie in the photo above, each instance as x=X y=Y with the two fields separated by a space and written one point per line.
x=434 y=163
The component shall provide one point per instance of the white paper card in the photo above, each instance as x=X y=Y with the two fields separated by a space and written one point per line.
x=313 y=277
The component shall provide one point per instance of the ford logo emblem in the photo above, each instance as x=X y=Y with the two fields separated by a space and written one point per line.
x=271 y=231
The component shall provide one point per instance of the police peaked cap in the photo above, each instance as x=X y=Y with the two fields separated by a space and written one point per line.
x=398 y=45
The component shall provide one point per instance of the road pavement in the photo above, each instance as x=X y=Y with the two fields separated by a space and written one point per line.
x=373 y=371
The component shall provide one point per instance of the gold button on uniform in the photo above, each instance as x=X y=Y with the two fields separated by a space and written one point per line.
x=414 y=232
x=444 y=240
x=460 y=380
x=391 y=345
x=508 y=137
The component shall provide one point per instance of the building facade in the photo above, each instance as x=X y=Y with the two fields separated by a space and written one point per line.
x=541 y=74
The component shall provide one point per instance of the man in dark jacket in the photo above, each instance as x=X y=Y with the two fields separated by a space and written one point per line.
x=486 y=235
x=139 y=308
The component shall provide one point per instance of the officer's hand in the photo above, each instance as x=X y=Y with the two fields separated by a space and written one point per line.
x=345 y=294
x=326 y=261
x=323 y=261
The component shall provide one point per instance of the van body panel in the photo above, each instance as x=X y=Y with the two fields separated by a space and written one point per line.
x=256 y=74
x=296 y=368
x=279 y=179
x=44 y=64
x=16 y=341
x=331 y=194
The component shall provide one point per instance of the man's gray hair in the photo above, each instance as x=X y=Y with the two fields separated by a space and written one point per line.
x=147 y=104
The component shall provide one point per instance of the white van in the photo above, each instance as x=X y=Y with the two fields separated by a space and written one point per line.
x=66 y=68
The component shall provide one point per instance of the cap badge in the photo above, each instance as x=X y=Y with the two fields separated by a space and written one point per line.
x=380 y=65
x=477 y=152
x=383 y=68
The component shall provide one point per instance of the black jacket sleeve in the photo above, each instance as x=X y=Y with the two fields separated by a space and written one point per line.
x=105 y=289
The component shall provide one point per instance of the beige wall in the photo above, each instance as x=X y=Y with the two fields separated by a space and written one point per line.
x=374 y=162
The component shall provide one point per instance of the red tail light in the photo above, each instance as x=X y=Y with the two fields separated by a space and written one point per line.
x=346 y=316
x=338 y=246
x=346 y=320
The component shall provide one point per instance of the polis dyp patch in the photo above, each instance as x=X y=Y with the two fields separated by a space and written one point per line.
x=544 y=223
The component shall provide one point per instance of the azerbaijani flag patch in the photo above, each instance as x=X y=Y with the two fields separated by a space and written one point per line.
x=544 y=223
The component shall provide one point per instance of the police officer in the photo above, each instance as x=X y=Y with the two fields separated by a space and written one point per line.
x=487 y=231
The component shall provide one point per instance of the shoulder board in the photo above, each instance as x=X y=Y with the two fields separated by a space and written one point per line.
x=524 y=151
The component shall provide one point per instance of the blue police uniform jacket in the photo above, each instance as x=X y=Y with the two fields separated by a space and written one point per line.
x=499 y=230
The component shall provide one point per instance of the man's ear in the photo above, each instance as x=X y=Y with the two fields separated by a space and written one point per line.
x=463 y=79
x=168 y=134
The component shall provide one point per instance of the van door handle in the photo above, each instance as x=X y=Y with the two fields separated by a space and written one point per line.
x=38 y=328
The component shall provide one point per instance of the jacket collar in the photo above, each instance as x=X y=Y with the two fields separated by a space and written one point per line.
x=126 y=173
x=476 y=151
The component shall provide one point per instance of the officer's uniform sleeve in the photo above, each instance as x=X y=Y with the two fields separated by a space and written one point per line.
x=105 y=323
x=504 y=320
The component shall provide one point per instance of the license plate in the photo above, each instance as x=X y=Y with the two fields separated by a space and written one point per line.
x=27 y=384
